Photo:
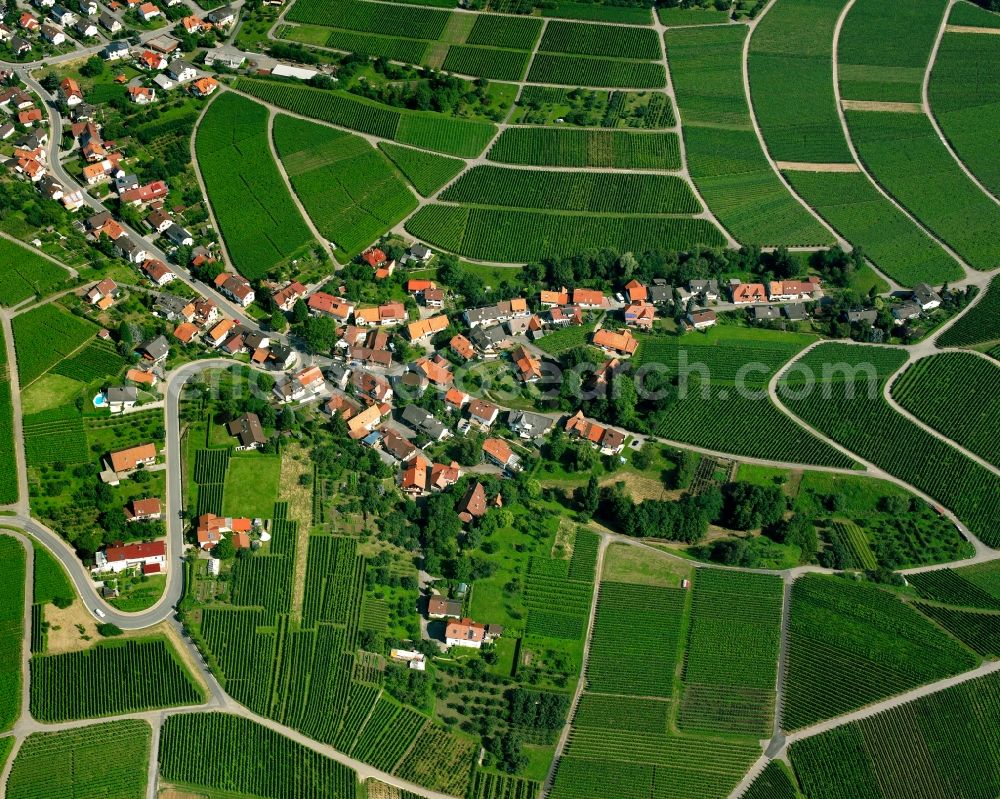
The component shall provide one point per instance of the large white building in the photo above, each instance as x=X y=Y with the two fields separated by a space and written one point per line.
x=151 y=557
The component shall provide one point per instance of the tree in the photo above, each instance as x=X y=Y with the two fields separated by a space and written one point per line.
x=749 y=507
x=278 y=321
x=589 y=497
x=319 y=334
x=93 y=67
x=109 y=630
x=224 y=550
x=287 y=419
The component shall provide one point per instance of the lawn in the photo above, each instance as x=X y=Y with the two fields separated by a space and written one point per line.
x=251 y=485
x=624 y=563
x=51 y=391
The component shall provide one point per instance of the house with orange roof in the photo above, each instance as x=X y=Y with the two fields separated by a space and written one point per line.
x=211 y=529
x=218 y=334
x=141 y=377
x=553 y=298
x=462 y=347
x=436 y=369
x=185 y=332
x=193 y=24
x=608 y=440
x=529 y=368
x=636 y=291
x=749 y=293
x=499 y=452
x=124 y=461
x=111 y=229
x=30 y=116
x=424 y=328
x=374 y=257
x=414 y=286
x=151 y=60
x=141 y=95
x=286 y=297
x=701 y=320
x=140 y=510
x=147 y=12
x=69 y=91
x=362 y=424
x=640 y=315
x=589 y=298
x=323 y=304
x=203 y=87
x=157 y=271
x=621 y=344
x=793 y=290
x=455 y=400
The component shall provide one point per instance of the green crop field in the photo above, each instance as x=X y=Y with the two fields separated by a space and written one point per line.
x=95 y=361
x=24 y=273
x=965 y=99
x=773 y=782
x=486 y=62
x=51 y=583
x=641 y=665
x=953 y=588
x=978 y=631
x=853 y=413
x=12 y=562
x=110 y=679
x=599 y=192
x=426 y=171
x=851 y=643
x=791 y=81
x=978 y=325
x=251 y=485
x=8 y=469
x=597 y=12
x=575 y=70
x=488 y=785
x=584 y=148
x=233 y=763
x=957 y=394
x=855 y=208
x=973 y=16
x=392 y=48
x=56 y=435
x=884 y=49
x=498 y=234
x=348 y=187
x=75 y=763
x=711 y=412
x=904 y=154
x=559 y=341
x=732 y=653
x=257 y=217
x=614 y=41
x=604 y=711
x=680 y=17
x=424 y=129
x=418 y=23
x=44 y=336
x=724 y=156
x=934 y=746
x=514 y=33
x=558 y=607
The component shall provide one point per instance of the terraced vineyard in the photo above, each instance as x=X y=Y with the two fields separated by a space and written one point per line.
x=582 y=148
x=97 y=360
x=934 y=746
x=44 y=336
x=732 y=653
x=110 y=679
x=980 y=324
x=259 y=222
x=8 y=469
x=958 y=394
x=55 y=435
x=852 y=643
x=724 y=156
x=24 y=273
x=12 y=574
x=853 y=413
x=426 y=171
x=348 y=188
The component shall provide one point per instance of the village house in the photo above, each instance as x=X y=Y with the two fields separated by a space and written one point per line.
x=441 y=607
x=606 y=439
x=85 y=29
x=497 y=314
x=236 y=287
x=362 y=424
x=157 y=271
x=424 y=422
x=529 y=368
x=904 y=312
x=373 y=386
x=218 y=334
x=398 y=446
x=436 y=369
x=150 y=60
x=622 y=344
x=121 y=398
x=248 y=432
x=749 y=293
x=425 y=328
x=392 y=313
x=69 y=91
x=148 y=12
x=473 y=504
x=141 y=377
x=554 y=298
x=125 y=461
x=529 y=425
x=140 y=95
x=488 y=340
x=455 y=400
x=465 y=633
x=204 y=87
x=53 y=34
x=483 y=413
x=211 y=529
x=636 y=292
x=411 y=657
x=640 y=315
x=793 y=290
x=156 y=350
x=286 y=297
x=499 y=452
x=304 y=385
x=222 y=16
x=323 y=304
x=106 y=289
x=926 y=297
x=150 y=557
x=142 y=510
x=462 y=347
x=185 y=332
x=701 y=320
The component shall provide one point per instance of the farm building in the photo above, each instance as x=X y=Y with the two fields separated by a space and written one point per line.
x=118 y=559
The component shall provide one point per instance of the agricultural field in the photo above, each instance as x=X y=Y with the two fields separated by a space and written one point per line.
x=724 y=156
x=262 y=228
x=980 y=324
x=75 y=763
x=24 y=273
x=419 y=23
x=233 y=763
x=251 y=485
x=774 y=782
x=8 y=471
x=55 y=435
x=903 y=153
x=934 y=746
x=958 y=394
x=597 y=192
x=51 y=583
x=884 y=50
x=791 y=52
x=596 y=12
x=853 y=413
x=558 y=607
x=954 y=588
x=423 y=129
x=486 y=62
x=973 y=16
x=551 y=105
x=559 y=341
x=681 y=17
x=965 y=100
x=978 y=631
x=511 y=235
x=732 y=653
x=585 y=148
x=708 y=402
x=12 y=564
x=609 y=73
x=855 y=209
x=44 y=336
x=488 y=785
x=852 y=643
x=348 y=187
x=110 y=679
x=95 y=361
x=613 y=41
x=427 y=172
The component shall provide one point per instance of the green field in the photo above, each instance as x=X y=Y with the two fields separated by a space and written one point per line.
x=980 y=324
x=934 y=746
x=583 y=148
x=233 y=763
x=424 y=129
x=576 y=70
x=251 y=485
x=613 y=41
x=973 y=16
x=25 y=273
x=774 y=782
x=855 y=208
x=510 y=235
x=348 y=187
x=679 y=17
x=110 y=679
x=597 y=192
x=44 y=336
x=426 y=171
x=852 y=643
x=257 y=217
x=51 y=584
x=724 y=156
x=904 y=154
x=957 y=394
x=884 y=49
x=848 y=407
x=965 y=100
x=791 y=81
x=8 y=469
x=75 y=763
x=12 y=564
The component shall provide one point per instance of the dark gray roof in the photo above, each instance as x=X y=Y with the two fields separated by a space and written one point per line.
x=864 y=315
x=157 y=348
x=795 y=311
x=123 y=394
x=533 y=424
x=765 y=312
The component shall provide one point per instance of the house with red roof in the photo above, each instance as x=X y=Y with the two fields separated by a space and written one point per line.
x=151 y=555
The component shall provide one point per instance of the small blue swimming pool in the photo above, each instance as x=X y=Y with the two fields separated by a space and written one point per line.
x=100 y=401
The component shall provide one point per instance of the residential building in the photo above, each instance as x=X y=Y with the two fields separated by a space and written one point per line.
x=157 y=271
x=425 y=328
x=441 y=607
x=529 y=425
x=483 y=413
x=248 y=432
x=499 y=452
x=121 y=398
x=529 y=368
x=323 y=304
x=150 y=557
x=589 y=298
x=141 y=95
x=497 y=314
x=749 y=293
x=142 y=510
x=621 y=344
x=465 y=633
x=236 y=287
x=793 y=290
x=127 y=460
x=926 y=297
x=640 y=315
x=904 y=312
x=701 y=320
x=473 y=504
